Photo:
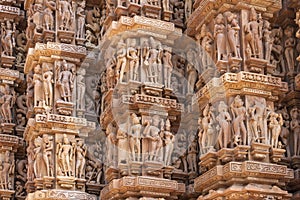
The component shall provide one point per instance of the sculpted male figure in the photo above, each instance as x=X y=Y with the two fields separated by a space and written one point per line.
x=65 y=155
x=66 y=83
x=252 y=35
x=65 y=11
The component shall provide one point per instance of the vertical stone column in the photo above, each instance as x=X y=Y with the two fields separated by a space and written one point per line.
x=56 y=128
x=291 y=99
x=240 y=123
x=139 y=110
x=13 y=108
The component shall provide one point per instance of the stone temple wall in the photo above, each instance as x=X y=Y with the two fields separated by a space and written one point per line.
x=149 y=99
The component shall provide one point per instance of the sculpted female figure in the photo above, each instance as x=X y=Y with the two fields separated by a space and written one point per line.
x=155 y=141
x=8 y=38
x=192 y=153
x=4 y=172
x=121 y=60
x=38 y=86
x=168 y=66
x=81 y=151
x=47 y=84
x=47 y=148
x=276 y=121
x=219 y=35
x=295 y=128
x=30 y=167
x=151 y=61
x=239 y=112
x=123 y=145
x=232 y=33
x=111 y=141
x=80 y=19
x=206 y=39
x=7 y=101
x=169 y=142
x=39 y=165
x=257 y=114
x=133 y=57
x=224 y=120
x=207 y=127
x=80 y=89
x=290 y=44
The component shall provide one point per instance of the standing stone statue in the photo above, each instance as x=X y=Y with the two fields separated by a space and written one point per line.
x=38 y=86
x=295 y=128
x=135 y=137
x=208 y=131
x=81 y=151
x=48 y=15
x=121 y=60
x=81 y=89
x=191 y=71
x=252 y=35
x=224 y=121
x=80 y=19
x=168 y=66
x=111 y=142
x=31 y=157
x=152 y=133
x=65 y=13
x=111 y=78
x=239 y=112
x=151 y=62
x=289 y=51
x=123 y=145
x=232 y=34
x=29 y=91
x=47 y=151
x=268 y=40
x=257 y=116
x=276 y=121
x=7 y=102
x=65 y=82
x=65 y=155
x=169 y=142
x=220 y=39
x=39 y=165
x=206 y=41
x=8 y=38
x=133 y=58
x=47 y=84
x=5 y=171
x=192 y=153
